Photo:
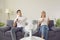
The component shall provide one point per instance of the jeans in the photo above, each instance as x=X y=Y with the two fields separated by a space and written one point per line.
x=14 y=30
x=44 y=31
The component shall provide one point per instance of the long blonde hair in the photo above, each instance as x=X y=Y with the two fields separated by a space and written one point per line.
x=43 y=12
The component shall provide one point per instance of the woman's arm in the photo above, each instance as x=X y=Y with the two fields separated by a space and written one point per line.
x=39 y=22
x=48 y=21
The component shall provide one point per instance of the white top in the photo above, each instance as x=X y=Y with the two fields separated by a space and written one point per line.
x=21 y=21
x=44 y=22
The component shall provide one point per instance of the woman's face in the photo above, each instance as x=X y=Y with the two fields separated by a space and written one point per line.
x=43 y=14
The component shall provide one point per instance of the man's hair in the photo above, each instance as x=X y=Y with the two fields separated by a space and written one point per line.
x=18 y=11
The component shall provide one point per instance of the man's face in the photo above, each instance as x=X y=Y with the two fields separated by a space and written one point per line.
x=19 y=13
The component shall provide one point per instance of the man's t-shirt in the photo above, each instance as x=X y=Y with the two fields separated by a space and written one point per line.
x=21 y=21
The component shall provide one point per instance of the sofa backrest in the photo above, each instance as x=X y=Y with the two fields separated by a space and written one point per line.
x=10 y=23
x=51 y=24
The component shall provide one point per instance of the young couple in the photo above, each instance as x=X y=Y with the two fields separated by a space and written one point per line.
x=19 y=24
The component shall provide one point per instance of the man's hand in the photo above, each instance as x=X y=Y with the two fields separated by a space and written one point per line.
x=15 y=23
x=16 y=20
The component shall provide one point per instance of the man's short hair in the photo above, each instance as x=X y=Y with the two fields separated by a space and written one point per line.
x=18 y=11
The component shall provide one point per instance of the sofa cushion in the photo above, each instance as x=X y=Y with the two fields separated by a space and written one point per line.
x=4 y=29
x=1 y=36
x=56 y=28
x=8 y=35
x=51 y=34
x=54 y=35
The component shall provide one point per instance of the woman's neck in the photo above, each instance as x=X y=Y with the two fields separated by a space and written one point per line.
x=43 y=17
x=19 y=15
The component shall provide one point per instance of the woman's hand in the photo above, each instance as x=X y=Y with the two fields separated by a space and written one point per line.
x=42 y=20
x=39 y=22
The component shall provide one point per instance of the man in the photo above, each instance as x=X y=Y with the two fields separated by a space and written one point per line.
x=18 y=24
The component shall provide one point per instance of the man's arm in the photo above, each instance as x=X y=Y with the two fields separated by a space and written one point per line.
x=15 y=23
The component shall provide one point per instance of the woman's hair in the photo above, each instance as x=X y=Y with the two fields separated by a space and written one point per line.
x=18 y=11
x=43 y=12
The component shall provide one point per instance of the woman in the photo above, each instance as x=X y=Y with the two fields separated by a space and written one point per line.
x=43 y=22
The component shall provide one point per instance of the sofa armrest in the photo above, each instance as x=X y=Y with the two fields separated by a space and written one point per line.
x=4 y=29
x=56 y=29
x=1 y=36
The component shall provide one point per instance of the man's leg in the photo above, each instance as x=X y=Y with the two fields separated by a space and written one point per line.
x=14 y=31
x=13 y=35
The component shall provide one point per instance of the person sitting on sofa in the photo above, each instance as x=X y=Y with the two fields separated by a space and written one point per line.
x=43 y=22
x=18 y=24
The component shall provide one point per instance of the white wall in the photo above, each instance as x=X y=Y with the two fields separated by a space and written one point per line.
x=32 y=8
x=2 y=13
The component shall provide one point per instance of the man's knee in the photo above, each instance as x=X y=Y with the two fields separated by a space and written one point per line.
x=13 y=29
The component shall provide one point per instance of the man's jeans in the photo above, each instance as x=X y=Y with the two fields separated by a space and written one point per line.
x=14 y=30
x=44 y=31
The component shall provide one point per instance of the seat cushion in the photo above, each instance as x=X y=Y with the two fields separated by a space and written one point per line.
x=1 y=36
x=51 y=34
x=54 y=35
x=8 y=35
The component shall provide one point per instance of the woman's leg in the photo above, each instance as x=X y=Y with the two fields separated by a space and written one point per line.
x=46 y=33
x=42 y=31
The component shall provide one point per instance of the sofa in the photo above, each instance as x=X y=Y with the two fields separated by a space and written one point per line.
x=5 y=33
